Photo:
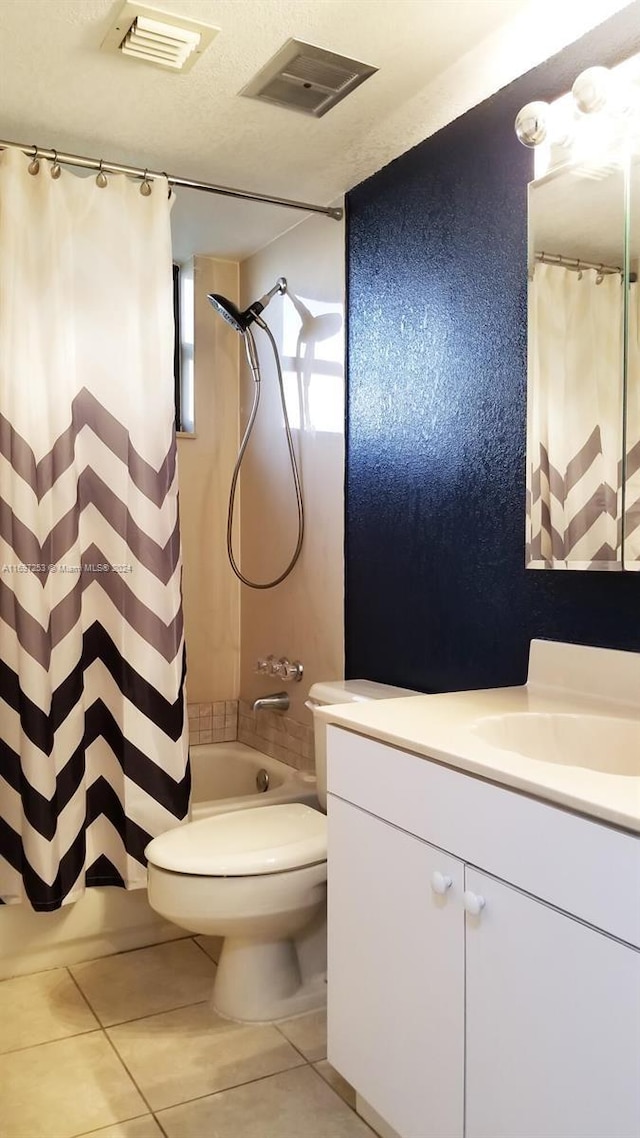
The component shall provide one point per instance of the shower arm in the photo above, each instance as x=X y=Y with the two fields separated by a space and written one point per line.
x=255 y=309
x=258 y=306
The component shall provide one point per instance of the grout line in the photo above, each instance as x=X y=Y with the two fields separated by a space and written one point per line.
x=159 y=1124
x=336 y=1092
x=232 y=1087
x=152 y=1015
x=129 y=1073
x=292 y=1044
x=120 y=952
x=112 y=1125
x=118 y=1056
x=147 y=1015
x=352 y=1108
x=136 y=1019
x=208 y=1094
x=347 y=1104
x=82 y=996
x=104 y=1030
x=202 y=949
x=48 y=1042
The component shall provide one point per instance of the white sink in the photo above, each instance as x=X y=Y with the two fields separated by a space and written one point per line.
x=602 y=743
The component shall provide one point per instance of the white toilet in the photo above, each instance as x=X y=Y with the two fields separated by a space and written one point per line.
x=258 y=878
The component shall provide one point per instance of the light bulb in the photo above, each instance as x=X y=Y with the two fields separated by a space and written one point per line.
x=532 y=123
x=592 y=90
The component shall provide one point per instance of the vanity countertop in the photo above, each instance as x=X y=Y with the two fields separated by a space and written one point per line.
x=444 y=728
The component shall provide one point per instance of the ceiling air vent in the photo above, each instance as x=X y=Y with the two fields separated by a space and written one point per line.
x=159 y=38
x=307 y=79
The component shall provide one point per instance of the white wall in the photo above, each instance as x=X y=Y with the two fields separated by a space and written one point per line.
x=210 y=590
x=302 y=617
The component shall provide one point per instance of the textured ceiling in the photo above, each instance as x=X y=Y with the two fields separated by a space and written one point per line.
x=58 y=89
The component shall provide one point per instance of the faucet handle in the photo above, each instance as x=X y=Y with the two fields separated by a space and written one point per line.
x=283 y=668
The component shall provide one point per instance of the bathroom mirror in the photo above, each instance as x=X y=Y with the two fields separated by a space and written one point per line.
x=631 y=504
x=577 y=296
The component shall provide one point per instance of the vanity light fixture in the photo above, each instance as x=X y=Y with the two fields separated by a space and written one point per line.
x=597 y=92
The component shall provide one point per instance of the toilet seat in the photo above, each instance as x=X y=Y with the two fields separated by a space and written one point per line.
x=261 y=840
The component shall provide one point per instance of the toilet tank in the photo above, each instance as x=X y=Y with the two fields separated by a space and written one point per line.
x=342 y=691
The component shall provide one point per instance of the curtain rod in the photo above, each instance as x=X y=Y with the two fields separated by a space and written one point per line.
x=574 y=264
x=33 y=151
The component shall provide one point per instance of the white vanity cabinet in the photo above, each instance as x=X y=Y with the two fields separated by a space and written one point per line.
x=552 y=1023
x=396 y=972
x=484 y=963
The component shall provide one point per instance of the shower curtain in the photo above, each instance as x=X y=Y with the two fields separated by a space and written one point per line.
x=574 y=420
x=93 y=746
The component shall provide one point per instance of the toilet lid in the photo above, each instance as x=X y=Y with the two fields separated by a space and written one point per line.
x=263 y=839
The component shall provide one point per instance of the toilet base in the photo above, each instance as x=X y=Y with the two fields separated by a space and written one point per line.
x=310 y=997
x=260 y=980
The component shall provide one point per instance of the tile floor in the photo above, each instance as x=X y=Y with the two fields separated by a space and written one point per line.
x=128 y=1047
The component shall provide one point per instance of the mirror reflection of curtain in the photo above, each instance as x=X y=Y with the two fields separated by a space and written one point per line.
x=632 y=505
x=574 y=436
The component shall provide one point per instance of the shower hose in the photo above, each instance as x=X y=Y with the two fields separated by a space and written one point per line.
x=292 y=459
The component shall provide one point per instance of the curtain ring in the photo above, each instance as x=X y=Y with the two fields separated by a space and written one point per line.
x=56 y=168
x=165 y=175
x=101 y=177
x=600 y=276
x=34 y=164
x=145 y=188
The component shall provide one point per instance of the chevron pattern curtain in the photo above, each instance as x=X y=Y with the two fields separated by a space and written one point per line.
x=574 y=420
x=93 y=746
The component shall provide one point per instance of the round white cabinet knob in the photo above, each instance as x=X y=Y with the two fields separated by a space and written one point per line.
x=440 y=882
x=474 y=903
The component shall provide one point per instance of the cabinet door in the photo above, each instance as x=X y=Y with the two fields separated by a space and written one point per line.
x=396 y=973
x=552 y=1022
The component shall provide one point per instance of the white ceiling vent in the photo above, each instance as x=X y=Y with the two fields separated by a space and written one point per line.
x=159 y=38
x=307 y=79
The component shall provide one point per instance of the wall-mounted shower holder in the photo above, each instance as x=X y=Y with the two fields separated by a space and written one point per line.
x=284 y=669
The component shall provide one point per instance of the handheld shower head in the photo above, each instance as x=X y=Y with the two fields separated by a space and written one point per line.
x=228 y=311
x=242 y=320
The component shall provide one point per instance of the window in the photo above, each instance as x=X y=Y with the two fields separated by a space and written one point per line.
x=177 y=386
x=183 y=347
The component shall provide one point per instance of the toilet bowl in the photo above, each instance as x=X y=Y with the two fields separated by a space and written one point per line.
x=258 y=878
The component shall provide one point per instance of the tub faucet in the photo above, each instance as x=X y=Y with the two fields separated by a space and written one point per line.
x=277 y=702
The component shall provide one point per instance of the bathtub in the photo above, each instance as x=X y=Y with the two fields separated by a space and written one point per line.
x=228 y=776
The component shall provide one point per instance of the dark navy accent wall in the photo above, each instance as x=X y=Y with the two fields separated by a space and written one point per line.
x=437 y=596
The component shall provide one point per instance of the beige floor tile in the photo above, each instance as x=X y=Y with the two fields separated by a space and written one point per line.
x=65 y=1088
x=146 y=981
x=40 y=1008
x=145 y=1127
x=308 y=1033
x=335 y=1080
x=182 y=1054
x=212 y=945
x=296 y=1104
